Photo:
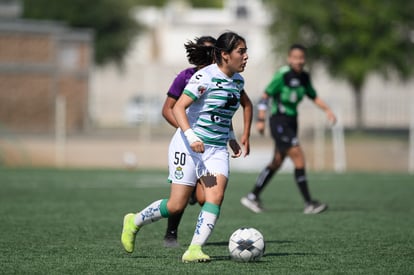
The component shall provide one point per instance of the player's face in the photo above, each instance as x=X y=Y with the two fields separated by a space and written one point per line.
x=297 y=60
x=236 y=60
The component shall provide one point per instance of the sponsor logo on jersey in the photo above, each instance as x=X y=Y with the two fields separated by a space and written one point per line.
x=201 y=89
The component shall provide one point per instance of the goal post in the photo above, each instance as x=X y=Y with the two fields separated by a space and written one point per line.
x=338 y=143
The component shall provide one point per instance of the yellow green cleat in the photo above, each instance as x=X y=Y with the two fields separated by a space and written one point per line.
x=129 y=232
x=195 y=254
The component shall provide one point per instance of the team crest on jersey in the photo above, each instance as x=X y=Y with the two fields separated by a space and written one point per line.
x=179 y=174
x=201 y=89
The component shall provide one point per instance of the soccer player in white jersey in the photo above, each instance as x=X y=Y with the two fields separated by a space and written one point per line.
x=199 y=54
x=198 y=149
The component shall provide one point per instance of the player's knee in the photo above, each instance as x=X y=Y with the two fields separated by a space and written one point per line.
x=174 y=209
x=275 y=164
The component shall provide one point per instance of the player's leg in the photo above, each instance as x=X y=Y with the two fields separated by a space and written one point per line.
x=181 y=168
x=281 y=135
x=298 y=158
x=200 y=195
x=171 y=234
x=153 y=212
x=213 y=177
x=193 y=197
x=252 y=199
x=214 y=193
x=183 y=177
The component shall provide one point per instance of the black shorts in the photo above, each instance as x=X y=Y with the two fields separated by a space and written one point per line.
x=284 y=132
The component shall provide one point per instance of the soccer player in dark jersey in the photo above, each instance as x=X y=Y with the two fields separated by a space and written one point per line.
x=199 y=54
x=287 y=89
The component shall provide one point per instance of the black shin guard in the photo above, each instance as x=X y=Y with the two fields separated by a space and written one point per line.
x=262 y=180
x=302 y=182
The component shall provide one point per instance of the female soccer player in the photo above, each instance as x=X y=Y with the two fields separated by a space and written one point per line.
x=199 y=54
x=198 y=150
x=287 y=89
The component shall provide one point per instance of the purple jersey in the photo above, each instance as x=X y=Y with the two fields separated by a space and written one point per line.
x=180 y=81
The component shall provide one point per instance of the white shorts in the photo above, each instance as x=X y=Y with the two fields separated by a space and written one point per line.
x=186 y=167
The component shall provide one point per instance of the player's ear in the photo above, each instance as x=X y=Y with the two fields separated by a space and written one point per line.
x=225 y=56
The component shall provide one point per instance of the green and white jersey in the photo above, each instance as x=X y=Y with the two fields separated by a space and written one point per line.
x=216 y=99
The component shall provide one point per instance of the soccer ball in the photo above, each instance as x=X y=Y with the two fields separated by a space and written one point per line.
x=246 y=245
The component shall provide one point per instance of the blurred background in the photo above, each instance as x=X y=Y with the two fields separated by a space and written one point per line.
x=82 y=83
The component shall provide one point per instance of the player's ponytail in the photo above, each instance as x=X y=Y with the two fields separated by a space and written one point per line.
x=200 y=54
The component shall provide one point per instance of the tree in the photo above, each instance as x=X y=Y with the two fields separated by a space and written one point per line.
x=112 y=22
x=351 y=38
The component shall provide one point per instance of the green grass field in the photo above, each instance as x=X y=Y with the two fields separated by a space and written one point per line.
x=69 y=222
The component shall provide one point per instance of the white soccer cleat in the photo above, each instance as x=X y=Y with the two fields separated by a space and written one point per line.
x=315 y=208
x=253 y=205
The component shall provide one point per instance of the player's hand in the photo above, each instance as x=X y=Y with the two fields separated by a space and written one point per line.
x=260 y=126
x=197 y=146
x=235 y=147
x=246 y=145
x=331 y=117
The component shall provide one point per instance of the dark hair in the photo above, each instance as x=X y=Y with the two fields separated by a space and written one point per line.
x=297 y=47
x=205 y=39
x=197 y=53
x=226 y=43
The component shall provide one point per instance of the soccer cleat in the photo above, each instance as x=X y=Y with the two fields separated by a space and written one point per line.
x=314 y=207
x=195 y=254
x=129 y=232
x=252 y=204
x=170 y=239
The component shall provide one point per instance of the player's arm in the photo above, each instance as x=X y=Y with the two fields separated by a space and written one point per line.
x=174 y=92
x=234 y=145
x=247 y=121
x=329 y=114
x=182 y=120
x=261 y=114
x=271 y=90
x=311 y=93
x=167 y=111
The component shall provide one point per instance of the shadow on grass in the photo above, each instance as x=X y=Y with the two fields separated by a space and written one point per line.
x=266 y=255
x=287 y=254
x=226 y=243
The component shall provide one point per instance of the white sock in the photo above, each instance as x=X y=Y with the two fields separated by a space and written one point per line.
x=205 y=223
x=152 y=213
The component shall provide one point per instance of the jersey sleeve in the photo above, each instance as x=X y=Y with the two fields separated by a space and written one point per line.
x=197 y=86
x=310 y=91
x=178 y=85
